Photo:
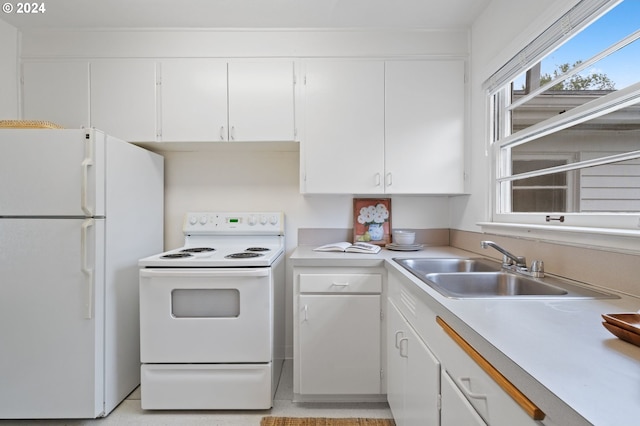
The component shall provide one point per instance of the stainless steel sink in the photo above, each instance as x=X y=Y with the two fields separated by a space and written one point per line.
x=480 y=278
x=422 y=266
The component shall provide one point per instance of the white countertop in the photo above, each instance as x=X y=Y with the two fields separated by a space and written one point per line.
x=556 y=351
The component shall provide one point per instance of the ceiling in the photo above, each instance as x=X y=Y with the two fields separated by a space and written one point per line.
x=231 y=14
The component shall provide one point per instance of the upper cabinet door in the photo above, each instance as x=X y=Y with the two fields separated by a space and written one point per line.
x=261 y=101
x=193 y=100
x=57 y=92
x=343 y=146
x=123 y=98
x=425 y=122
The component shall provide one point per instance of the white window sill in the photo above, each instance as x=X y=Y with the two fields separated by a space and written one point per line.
x=610 y=239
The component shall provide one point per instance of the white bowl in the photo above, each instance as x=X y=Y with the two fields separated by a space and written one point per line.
x=404 y=237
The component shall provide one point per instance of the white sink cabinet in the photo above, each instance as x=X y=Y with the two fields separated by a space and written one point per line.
x=469 y=395
x=413 y=374
x=337 y=335
x=383 y=127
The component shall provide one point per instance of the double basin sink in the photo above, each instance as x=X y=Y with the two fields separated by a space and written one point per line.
x=482 y=278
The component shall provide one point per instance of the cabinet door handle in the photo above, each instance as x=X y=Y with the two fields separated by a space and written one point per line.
x=398 y=334
x=221 y=133
x=389 y=179
x=306 y=311
x=232 y=134
x=377 y=179
x=467 y=389
x=404 y=354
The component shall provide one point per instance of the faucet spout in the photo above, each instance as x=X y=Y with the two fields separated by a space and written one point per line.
x=519 y=261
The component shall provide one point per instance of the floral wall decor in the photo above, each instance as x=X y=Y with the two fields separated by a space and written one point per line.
x=372 y=220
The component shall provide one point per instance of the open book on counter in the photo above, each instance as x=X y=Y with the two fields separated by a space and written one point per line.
x=349 y=248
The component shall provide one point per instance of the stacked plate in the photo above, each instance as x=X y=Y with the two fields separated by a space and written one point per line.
x=625 y=326
x=404 y=241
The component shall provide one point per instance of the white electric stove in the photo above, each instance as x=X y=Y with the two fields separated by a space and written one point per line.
x=212 y=314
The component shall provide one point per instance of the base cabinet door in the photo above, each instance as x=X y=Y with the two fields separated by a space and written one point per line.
x=413 y=374
x=339 y=344
x=455 y=409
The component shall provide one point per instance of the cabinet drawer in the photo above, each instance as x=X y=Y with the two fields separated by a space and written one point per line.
x=495 y=399
x=340 y=283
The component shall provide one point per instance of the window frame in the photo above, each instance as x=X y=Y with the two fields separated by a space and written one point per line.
x=616 y=230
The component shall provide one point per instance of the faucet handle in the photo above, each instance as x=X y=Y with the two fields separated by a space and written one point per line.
x=537 y=268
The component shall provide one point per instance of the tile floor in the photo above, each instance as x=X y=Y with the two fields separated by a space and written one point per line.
x=130 y=413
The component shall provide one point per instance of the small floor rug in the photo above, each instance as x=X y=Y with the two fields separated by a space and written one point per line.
x=322 y=421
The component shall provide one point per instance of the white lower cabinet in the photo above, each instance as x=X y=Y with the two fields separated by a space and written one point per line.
x=413 y=374
x=337 y=336
x=456 y=410
x=428 y=360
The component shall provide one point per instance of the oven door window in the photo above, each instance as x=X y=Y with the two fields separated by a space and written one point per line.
x=205 y=303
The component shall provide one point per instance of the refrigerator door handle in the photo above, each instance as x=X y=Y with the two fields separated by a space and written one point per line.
x=86 y=163
x=86 y=268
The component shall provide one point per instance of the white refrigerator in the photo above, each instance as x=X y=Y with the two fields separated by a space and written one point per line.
x=78 y=209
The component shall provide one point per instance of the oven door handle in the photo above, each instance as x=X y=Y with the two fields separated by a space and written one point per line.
x=206 y=272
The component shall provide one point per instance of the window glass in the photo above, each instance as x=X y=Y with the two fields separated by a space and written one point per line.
x=566 y=131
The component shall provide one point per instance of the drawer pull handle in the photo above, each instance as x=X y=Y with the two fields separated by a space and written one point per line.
x=467 y=389
x=521 y=399
x=340 y=284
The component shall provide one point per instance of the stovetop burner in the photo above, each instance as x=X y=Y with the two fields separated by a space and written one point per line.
x=244 y=255
x=176 y=256
x=198 y=250
x=257 y=249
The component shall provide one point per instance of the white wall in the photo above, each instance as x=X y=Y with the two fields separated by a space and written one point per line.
x=8 y=72
x=250 y=180
x=503 y=29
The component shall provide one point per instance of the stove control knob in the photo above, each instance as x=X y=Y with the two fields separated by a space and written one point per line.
x=252 y=220
x=263 y=220
x=193 y=220
x=273 y=220
x=203 y=220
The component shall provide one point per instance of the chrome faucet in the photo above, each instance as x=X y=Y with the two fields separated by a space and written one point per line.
x=516 y=263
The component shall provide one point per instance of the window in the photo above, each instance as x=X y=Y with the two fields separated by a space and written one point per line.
x=565 y=122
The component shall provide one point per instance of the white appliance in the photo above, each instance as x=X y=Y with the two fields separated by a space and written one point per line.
x=78 y=209
x=212 y=314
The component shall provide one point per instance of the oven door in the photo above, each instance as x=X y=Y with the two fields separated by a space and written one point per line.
x=205 y=315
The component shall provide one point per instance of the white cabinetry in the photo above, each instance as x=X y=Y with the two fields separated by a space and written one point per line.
x=374 y=127
x=215 y=100
x=482 y=391
x=343 y=146
x=456 y=409
x=57 y=92
x=123 y=98
x=424 y=126
x=413 y=383
x=193 y=100
x=337 y=335
x=472 y=391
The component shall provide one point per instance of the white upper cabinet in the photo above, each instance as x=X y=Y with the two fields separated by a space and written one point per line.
x=214 y=100
x=57 y=92
x=343 y=146
x=376 y=127
x=123 y=98
x=425 y=123
x=261 y=101
x=193 y=100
